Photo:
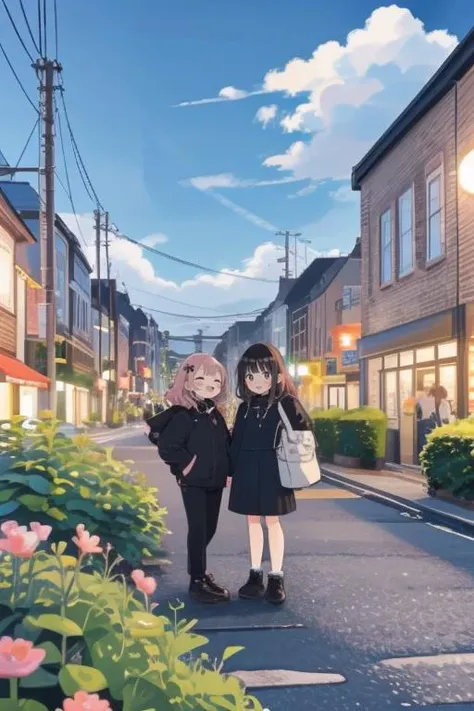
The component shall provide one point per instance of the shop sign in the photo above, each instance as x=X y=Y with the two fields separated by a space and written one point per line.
x=331 y=366
x=349 y=358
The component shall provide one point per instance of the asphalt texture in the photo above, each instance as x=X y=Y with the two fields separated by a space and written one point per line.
x=365 y=583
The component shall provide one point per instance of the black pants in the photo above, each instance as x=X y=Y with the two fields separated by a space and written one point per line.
x=202 y=511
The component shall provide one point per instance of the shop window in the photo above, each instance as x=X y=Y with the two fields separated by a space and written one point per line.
x=386 y=248
x=405 y=233
x=373 y=382
x=406 y=358
x=425 y=355
x=406 y=390
x=391 y=395
x=448 y=350
x=391 y=361
x=434 y=215
x=448 y=380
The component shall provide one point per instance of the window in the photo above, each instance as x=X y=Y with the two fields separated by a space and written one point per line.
x=6 y=271
x=386 y=270
x=434 y=216
x=405 y=233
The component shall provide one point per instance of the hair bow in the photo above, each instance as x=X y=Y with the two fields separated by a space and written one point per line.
x=189 y=369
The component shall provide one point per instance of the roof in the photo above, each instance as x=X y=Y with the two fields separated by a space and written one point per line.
x=456 y=65
x=311 y=276
x=14 y=371
x=24 y=226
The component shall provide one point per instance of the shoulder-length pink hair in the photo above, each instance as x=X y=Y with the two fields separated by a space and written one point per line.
x=178 y=394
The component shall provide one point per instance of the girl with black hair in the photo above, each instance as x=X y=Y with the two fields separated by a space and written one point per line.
x=256 y=491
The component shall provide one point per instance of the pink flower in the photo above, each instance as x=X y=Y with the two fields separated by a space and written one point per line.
x=43 y=532
x=146 y=585
x=18 y=658
x=83 y=701
x=8 y=526
x=18 y=541
x=85 y=542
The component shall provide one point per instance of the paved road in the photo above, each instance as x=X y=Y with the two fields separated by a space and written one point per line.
x=366 y=585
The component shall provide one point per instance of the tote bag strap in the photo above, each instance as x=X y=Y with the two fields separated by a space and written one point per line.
x=286 y=422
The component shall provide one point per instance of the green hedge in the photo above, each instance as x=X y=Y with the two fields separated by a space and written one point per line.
x=362 y=434
x=447 y=459
x=326 y=430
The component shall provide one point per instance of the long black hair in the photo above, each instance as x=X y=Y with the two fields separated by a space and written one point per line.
x=264 y=358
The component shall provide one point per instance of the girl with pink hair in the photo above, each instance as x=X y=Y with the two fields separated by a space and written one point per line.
x=193 y=439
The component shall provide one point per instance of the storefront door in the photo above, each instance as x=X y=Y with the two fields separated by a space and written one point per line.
x=337 y=396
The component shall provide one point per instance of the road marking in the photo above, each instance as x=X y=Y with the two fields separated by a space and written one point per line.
x=267 y=678
x=438 y=660
x=326 y=494
x=450 y=530
x=252 y=628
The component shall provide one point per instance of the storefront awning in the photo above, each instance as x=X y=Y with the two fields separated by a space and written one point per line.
x=14 y=371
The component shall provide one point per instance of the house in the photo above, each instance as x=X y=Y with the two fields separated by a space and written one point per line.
x=307 y=373
x=74 y=354
x=418 y=257
x=275 y=318
x=334 y=328
x=19 y=384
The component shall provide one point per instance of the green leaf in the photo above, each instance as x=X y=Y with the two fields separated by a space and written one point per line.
x=5 y=624
x=34 y=502
x=6 y=493
x=34 y=481
x=55 y=623
x=39 y=679
x=75 y=677
x=8 y=508
x=87 y=507
x=57 y=514
x=22 y=705
x=144 y=624
x=53 y=655
x=230 y=652
x=187 y=643
x=141 y=695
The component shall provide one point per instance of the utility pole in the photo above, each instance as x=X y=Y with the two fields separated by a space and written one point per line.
x=286 y=259
x=109 y=311
x=97 y=217
x=46 y=70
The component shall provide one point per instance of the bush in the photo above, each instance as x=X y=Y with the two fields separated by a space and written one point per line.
x=326 y=430
x=362 y=434
x=89 y=633
x=70 y=481
x=447 y=459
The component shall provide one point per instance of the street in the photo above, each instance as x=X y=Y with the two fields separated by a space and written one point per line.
x=368 y=588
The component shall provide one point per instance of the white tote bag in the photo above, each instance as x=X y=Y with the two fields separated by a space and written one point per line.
x=296 y=453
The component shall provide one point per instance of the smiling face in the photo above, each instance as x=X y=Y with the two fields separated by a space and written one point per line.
x=205 y=385
x=259 y=382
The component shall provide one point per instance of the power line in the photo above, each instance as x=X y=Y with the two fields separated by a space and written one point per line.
x=13 y=23
x=66 y=173
x=181 y=303
x=40 y=32
x=25 y=16
x=2 y=49
x=56 y=27
x=77 y=151
x=45 y=30
x=27 y=143
x=198 y=318
x=119 y=235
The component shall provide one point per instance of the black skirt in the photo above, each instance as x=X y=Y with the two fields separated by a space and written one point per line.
x=256 y=489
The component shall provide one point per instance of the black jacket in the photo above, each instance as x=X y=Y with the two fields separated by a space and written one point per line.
x=205 y=435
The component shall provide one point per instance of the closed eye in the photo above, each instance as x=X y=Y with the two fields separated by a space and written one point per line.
x=199 y=378
x=217 y=381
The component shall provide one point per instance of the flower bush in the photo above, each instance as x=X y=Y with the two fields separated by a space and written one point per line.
x=67 y=481
x=81 y=639
x=447 y=459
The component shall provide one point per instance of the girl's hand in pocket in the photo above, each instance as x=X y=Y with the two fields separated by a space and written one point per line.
x=229 y=481
x=190 y=466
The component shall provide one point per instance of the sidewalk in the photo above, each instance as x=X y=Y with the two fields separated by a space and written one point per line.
x=407 y=489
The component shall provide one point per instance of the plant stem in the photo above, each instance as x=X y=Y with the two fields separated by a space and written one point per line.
x=63 y=650
x=14 y=689
x=16 y=575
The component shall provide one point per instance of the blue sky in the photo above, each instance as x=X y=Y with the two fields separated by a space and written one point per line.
x=125 y=71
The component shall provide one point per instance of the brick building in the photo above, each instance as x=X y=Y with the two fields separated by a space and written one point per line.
x=418 y=255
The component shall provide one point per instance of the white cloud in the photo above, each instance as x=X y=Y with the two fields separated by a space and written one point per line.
x=344 y=194
x=154 y=239
x=228 y=93
x=243 y=212
x=224 y=292
x=229 y=180
x=378 y=68
x=266 y=114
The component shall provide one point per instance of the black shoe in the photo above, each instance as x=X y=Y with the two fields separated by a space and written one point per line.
x=254 y=588
x=275 y=592
x=201 y=591
x=223 y=592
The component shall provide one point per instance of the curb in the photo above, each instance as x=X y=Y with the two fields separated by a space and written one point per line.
x=415 y=509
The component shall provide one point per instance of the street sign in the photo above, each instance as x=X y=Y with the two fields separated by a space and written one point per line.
x=349 y=358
